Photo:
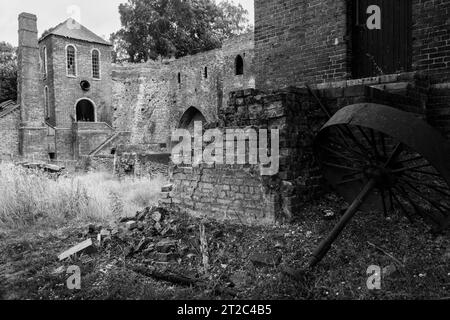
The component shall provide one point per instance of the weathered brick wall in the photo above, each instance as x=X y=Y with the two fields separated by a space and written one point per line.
x=134 y=161
x=9 y=133
x=89 y=136
x=438 y=110
x=223 y=193
x=239 y=192
x=244 y=46
x=29 y=94
x=149 y=101
x=302 y=41
x=431 y=38
x=65 y=91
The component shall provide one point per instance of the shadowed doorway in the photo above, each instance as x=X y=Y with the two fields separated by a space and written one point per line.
x=85 y=111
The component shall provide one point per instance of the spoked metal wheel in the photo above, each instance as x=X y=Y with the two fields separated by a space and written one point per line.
x=381 y=158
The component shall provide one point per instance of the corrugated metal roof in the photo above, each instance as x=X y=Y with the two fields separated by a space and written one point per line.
x=74 y=30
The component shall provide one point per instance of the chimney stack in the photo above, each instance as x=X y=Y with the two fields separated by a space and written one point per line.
x=30 y=93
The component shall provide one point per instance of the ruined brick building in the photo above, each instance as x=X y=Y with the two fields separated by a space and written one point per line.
x=388 y=52
x=73 y=102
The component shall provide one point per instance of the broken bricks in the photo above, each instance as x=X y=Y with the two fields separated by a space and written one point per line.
x=167 y=188
x=166 y=246
x=265 y=260
x=81 y=247
x=131 y=225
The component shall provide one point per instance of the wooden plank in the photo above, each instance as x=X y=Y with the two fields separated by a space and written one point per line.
x=76 y=249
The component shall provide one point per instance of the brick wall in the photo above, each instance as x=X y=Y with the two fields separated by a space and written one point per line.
x=298 y=41
x=66 y=91
x=9 y=133
x=431 y=38
x=302 y=41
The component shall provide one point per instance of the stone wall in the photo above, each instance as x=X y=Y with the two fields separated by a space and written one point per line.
x=150 y=99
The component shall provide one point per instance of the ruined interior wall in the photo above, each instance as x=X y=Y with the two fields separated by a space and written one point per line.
x=149 y=101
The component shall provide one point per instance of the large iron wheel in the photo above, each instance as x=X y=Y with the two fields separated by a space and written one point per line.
x=381 y=158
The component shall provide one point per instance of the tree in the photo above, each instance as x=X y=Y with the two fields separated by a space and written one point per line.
x=175 y=28
x=8 y=72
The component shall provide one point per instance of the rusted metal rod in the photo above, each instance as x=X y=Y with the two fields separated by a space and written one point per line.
x=325 y=245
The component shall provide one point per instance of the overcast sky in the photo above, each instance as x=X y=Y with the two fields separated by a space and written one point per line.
x=100 y=16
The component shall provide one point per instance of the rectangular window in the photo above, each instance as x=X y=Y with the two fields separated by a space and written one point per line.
x=95 y=64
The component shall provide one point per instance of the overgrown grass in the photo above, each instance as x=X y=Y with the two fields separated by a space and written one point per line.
x=31 y=197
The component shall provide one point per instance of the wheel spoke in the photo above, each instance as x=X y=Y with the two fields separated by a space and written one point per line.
x=439 y=206
x=402 y=208
x=349 y=181
x=411 y=168
x=438 y=188
x=338 y=166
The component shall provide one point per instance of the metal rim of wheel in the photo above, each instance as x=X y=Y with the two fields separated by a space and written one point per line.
x=381 y=158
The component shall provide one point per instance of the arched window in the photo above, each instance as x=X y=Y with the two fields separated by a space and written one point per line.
x=85 y=110
x=71 y=60
x=239 y=64
x=95 y=64
x=205 y=73
x=46 y=103
x=44 y=62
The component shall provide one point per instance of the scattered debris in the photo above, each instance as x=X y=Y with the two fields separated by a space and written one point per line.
x=166 y=246
x=386 y=253
x=131 y=225
x=240 y=279
x=329 y=215
x=265 y=260
x=167 y=188
x=389 y=270
x=103 y=236
x=157 y=216
x=76 y=249
x=204 y=247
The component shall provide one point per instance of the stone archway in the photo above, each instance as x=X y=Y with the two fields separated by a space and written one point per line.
x=85 y=111
x=191 y=116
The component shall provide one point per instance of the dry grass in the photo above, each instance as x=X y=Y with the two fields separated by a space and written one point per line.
x=30 y=197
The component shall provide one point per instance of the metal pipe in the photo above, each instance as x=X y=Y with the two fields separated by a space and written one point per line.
x=325 y=245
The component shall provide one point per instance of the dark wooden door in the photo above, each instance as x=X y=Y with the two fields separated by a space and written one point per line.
x=381 y=37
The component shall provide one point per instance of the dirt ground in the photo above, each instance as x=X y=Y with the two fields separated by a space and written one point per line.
x=244 y=262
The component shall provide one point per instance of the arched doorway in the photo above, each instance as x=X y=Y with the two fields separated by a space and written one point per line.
x=191 y=116
x=85 y=111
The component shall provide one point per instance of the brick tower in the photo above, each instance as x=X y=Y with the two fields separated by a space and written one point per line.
x=30 y=96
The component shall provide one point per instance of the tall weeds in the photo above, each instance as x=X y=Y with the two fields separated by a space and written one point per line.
x=29 y=197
